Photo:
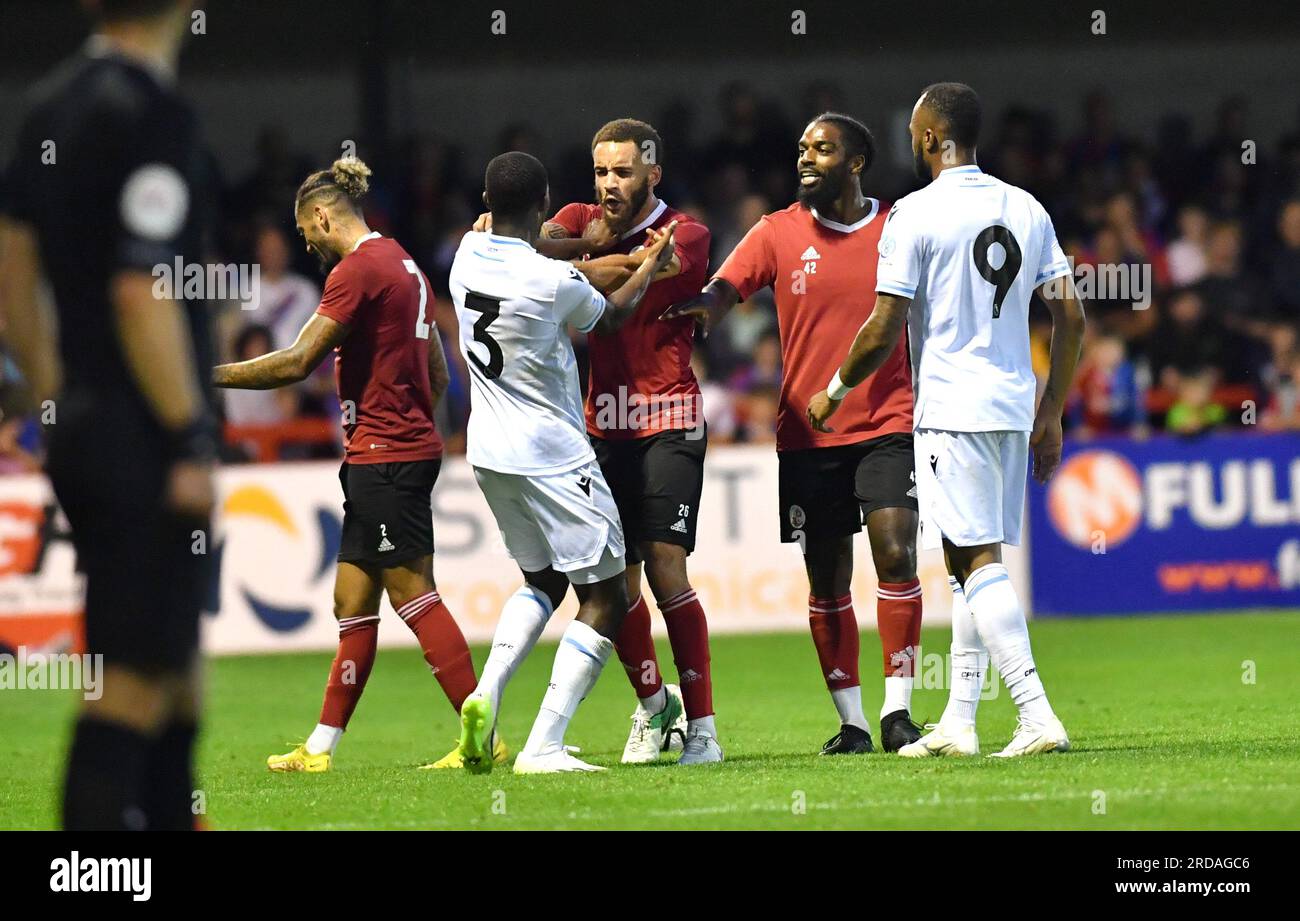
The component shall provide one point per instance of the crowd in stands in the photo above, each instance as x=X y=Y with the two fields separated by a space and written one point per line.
x=1190 y=243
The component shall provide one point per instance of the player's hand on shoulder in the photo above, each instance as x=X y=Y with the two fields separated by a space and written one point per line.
x=484 y=223
x=189 y=488
x=1046 y=440
x=820 y=408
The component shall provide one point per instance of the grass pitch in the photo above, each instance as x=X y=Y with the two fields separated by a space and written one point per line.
x=1166 y=735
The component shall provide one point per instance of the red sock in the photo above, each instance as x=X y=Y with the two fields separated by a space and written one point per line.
x=351 y=668
x=636 y=650
x=688 y=632
x=444 y=645
x=835 y=634
x=898 y=616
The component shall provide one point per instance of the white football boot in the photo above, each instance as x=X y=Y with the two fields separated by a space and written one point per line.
x=942 y=742
x=653 y=733
x=700 y=748
x=552 y=760
x=1036 y=740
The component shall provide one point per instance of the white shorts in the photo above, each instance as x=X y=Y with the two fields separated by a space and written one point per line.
x=567 y=521
x=970 y=486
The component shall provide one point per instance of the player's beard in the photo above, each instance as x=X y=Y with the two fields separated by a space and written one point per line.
x=825 y=193
x=327 y=260
x=920 y=166
x=632 y=208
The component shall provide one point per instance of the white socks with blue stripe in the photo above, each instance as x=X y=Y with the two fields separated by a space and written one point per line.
x=968 y=660
x=1001 y=624
x=578 y=662
x=522 y=620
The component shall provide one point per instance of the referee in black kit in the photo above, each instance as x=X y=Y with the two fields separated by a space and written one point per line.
x=107 y=181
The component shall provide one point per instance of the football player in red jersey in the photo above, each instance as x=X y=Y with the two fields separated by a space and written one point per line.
x=819 y=257
x=391 y=372
x=646 y=423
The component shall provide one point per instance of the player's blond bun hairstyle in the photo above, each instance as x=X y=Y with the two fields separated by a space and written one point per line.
x=348 y=178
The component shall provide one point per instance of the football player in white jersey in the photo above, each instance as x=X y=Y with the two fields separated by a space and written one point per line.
x=527 y=442
x=959 y=262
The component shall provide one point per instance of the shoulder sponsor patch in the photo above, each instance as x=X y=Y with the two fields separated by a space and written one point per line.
x=155 y=202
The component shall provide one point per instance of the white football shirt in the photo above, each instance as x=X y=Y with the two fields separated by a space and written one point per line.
x=970 y=250
x=512 y=304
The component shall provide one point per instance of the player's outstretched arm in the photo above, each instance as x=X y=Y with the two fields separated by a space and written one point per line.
x=709 y=307
x=624 y=301
x=285 y=366
x=874 y=342
x=27 y=320
x=1067 y=339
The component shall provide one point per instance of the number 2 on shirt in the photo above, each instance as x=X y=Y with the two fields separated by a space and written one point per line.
x=421 y=326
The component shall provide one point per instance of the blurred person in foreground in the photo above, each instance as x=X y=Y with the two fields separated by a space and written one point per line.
x=130 y=375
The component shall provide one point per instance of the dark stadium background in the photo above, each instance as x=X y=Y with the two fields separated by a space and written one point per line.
x=1116 y=133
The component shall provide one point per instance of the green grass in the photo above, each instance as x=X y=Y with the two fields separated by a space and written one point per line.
x=1160 y=718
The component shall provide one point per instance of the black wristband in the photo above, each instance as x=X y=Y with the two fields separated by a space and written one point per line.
x=195 y=442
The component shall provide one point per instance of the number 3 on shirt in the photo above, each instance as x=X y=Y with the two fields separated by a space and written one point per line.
x=1003 y=275
x=421 y=326
x=490 y=308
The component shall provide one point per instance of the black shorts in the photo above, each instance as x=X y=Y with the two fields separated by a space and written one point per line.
x=829 y=492
x=656 y=482
x=148 y=571
x=387 y=511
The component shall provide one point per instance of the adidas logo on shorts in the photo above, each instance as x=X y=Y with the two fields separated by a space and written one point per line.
x=384 y=542
x=680 y=527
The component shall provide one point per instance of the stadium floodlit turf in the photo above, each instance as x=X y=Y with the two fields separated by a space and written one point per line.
x=1166 y=735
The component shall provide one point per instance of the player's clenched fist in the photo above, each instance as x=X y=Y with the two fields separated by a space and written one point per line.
x=820 y=408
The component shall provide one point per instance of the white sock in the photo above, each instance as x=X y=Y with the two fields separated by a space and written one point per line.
x=578 y=662
x=969 y=660
x=703 y=724
x=323 y=739
x=523 y=618
x=1001 y=624
x=848 y=701
x=655 y=703
x=898 y=695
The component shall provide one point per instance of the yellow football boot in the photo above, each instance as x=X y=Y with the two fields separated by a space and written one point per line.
x=500 y=755
x=300 y=760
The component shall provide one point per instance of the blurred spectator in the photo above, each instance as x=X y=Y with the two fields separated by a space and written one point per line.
x=765 y=368
x=1107 y=388
x=258 y=407
x=286 y=300
x=1195 y=410
x=1187 y=253
x=1285 y=275
x=719 y=402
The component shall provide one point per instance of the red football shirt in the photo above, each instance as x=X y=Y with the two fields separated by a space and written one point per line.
x=824 y=277
x=382 y=367
x=641 y=380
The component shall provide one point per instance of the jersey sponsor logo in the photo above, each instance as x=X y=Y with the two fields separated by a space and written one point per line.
x=690 y=675
x=886 y=247
x=384 y=543
x=584 y=483
x=1095 y=491
x=934 y=464
x=373 y=446
x=810 y=253
x=680 y=526
x=797 y=516
x=836 y=674
x=155 y=202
